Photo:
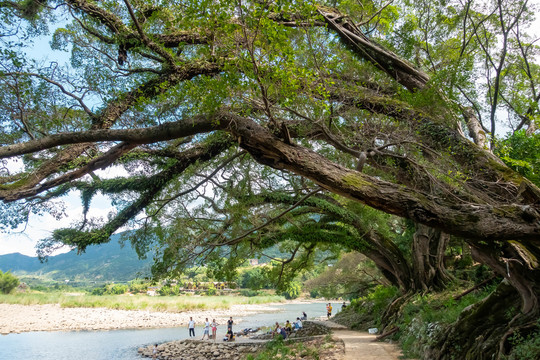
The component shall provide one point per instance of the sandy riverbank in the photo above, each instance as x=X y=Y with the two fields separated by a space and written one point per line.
x=24 y=318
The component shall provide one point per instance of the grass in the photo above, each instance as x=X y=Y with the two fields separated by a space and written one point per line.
x=137 y=302
x=279 y=349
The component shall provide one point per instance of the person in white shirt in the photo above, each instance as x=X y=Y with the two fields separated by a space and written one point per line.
x=191 y=327
x=206 y=329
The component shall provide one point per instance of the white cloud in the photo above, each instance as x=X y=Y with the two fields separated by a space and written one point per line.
x=24 y=239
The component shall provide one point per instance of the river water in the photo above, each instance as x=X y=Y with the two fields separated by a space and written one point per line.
x=123 y=344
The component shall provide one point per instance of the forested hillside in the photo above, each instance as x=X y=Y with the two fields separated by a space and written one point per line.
x=106 y=262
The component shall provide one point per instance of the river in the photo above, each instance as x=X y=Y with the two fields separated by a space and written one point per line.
x=123 y=344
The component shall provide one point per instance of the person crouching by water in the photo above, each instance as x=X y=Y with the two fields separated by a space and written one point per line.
x=191 y=327
x=229 y=336
x=304 y=316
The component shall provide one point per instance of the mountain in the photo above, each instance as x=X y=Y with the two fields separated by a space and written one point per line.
x=106 y=262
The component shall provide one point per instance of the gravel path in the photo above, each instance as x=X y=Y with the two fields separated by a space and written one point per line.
x=362 y=346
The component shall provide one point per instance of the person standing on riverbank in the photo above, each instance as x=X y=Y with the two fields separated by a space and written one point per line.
x=206 y=329
x=214 y=329
x=191 y=327
x=230 y=323
x=329 y=310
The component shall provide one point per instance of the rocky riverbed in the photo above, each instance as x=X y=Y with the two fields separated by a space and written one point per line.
x=23 y=318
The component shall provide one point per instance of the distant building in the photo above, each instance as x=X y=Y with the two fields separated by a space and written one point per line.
x=253 y=262
x=152 y=291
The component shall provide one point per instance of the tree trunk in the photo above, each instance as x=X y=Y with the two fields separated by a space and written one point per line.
x=517 y=262
x=428 y=250
x=390 y=260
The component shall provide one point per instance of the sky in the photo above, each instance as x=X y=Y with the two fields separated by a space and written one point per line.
x=24 y=239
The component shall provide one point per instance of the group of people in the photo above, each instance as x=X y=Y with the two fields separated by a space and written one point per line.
x=283 y=331
x=229 y=336
x=286 y=330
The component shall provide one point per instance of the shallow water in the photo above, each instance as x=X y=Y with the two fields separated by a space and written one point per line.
x=123 y=344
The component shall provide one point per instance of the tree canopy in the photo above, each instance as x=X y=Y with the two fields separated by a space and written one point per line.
x=236 y=124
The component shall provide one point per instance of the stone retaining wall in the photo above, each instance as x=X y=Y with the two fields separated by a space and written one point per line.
x=202 y=350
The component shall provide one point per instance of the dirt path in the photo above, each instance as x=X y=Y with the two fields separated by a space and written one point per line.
x=362 y=346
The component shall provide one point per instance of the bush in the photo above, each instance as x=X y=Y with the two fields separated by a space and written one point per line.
x=376 y=301
x=8 y=282
x=292 y=291
x=249 y=293
x=118 y=289
x=211 y=290
x=138 y=286
x=527 y=347
x=99 y=290
x=110 y=289
x=254 y=279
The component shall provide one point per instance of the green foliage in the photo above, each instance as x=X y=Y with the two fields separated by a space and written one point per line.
x=292 y=291
x=273 y=349
x=8 y=282
x=138 y=286
x=169 y=290
x=525 y=346
x=249 y=293
x=211 y=290
x=352 y=276
x=520 y=152
x=118 y=289
x=99 y=290
x=140 y=302
x=380 y=297
x=314 y=349
x=111 y=289
x=253 y=278
x=426 y=317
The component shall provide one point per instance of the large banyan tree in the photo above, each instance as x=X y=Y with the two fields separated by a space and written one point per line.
x=203 y=108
